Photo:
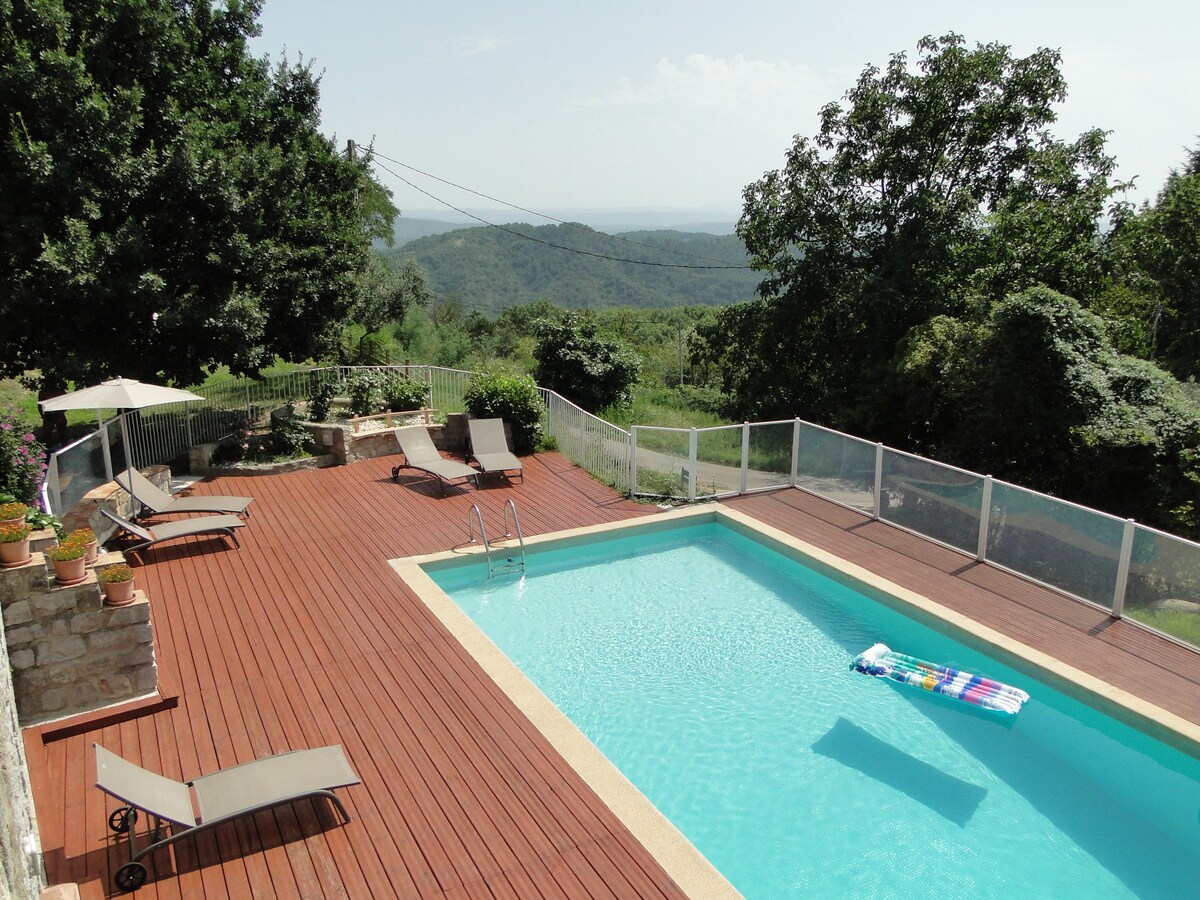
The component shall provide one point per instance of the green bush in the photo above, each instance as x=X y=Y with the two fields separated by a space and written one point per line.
x=513 y=398
x=401 y=393
x=365 y=389
x=22 y=459
x=322 y=396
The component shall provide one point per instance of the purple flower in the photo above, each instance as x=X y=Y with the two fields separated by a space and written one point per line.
x=28 y=437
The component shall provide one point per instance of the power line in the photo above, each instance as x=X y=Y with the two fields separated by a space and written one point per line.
x=637 y=262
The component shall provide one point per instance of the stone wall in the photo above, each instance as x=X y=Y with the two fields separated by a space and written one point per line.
x=21 y=873
x=340 y=446
x=69 y=652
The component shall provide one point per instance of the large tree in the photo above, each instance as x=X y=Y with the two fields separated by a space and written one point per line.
x=935 y=190
x=169 y=203
x=1036 y=393
x=1155 y=253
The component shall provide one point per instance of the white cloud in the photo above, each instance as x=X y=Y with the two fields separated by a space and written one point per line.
x=474 y=45
x=721 y=85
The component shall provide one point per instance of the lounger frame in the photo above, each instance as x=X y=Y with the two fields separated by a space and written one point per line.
x=127 y=780
x=167 y=531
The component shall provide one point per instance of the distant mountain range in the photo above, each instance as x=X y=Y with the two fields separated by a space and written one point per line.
x=416 y=223
x=491 y=269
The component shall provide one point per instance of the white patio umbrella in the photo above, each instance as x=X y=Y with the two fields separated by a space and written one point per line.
x=119 y=393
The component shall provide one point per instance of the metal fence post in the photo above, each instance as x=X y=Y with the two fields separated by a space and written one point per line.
x=633 y=430
x=985 y=516
x=795 y=451
x=692 y=465
x=1123 y=564
x=745 y=456
x=878 y=480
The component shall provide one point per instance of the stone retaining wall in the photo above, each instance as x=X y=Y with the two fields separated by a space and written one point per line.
x=69 y=652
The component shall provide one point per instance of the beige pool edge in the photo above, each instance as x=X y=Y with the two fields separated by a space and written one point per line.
x=674 y=852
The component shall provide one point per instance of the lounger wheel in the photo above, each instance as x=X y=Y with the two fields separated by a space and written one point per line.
x=121 y=819
x=396 y=473
x=130 y=876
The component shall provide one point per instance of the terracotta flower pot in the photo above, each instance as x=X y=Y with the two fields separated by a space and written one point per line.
x=14 y=553
x=70 y=571
x=118 y=593
x=93 y=552
x=20 y=520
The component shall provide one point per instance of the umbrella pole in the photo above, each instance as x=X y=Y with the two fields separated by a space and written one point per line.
x=108 y=472
x=135 y=507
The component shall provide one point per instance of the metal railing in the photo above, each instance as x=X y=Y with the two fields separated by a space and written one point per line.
x=590 y=442
x=1128 y=569
x=1131 y=570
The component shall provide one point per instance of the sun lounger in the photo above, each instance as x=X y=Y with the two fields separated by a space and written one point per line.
x=419 y=453
x=489 y=447
x=222 y=796
x=167 y=531
x=160 y=502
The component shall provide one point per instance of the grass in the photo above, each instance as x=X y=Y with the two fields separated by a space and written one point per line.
x=1182 y=625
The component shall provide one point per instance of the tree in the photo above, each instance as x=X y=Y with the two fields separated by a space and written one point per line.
x=1155 y=254
x=169 y=202
x=1036 y=394
x=934 y=191
x=383 y=295
x=584 y=368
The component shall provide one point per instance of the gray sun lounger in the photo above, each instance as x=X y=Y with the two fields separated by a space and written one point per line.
x=489 y=447
x=419 y=453
x=221 y=797
x=166 y=531
x=160 y=502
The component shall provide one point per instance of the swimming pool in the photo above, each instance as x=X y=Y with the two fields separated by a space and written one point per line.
x=713 y=672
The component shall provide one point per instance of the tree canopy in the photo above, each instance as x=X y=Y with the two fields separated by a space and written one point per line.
x=936 y=188
x=170 y=204
x=586 y=369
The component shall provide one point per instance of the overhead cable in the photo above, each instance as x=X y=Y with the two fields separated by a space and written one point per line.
x=638 y=262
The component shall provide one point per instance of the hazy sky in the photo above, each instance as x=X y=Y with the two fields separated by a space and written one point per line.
x=682 y=104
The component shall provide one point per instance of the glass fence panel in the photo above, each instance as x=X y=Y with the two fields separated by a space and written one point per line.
x=938 y=501
x=837 y=467
x=1066 y=546
x=718 y=461
x=662 y=460
x=80 y=468
x=1164 y=584
x=770 y=460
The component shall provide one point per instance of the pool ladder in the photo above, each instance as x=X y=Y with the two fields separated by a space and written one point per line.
x=474 y=516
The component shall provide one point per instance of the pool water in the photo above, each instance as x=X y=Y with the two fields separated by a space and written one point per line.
x=714 y=673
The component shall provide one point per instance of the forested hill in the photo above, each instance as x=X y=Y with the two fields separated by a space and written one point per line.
x=490 y=269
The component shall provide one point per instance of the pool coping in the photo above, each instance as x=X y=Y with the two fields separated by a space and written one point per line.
x=673 y=851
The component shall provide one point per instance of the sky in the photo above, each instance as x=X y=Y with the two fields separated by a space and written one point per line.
x=679 y=105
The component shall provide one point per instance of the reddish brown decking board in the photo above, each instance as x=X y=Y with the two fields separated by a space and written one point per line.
x=305 y=637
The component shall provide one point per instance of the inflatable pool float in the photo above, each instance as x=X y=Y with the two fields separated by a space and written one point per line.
x=881 y=662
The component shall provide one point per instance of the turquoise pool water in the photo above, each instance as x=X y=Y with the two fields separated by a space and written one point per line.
x=713 y=672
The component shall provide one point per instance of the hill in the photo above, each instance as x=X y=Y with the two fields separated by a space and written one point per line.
x=490 y=269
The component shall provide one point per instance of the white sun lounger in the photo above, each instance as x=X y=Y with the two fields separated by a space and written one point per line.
x=420 y=453
x=221 y=796
x=489 y=447
x=160 y=502
x=166 y=531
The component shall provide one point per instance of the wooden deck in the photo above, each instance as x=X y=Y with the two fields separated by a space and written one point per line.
x=306 y=637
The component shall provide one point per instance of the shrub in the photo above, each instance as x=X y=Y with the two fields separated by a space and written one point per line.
x=401 y=393
x=288 y=438
x=22 y=459
x=322 y=396
x=513 y=398
x=365 y=389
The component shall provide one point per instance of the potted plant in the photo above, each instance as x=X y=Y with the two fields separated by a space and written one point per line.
x=117 y=582
x=70 y=562
x=87 y=537
x=12 y=513
x=14 y=544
